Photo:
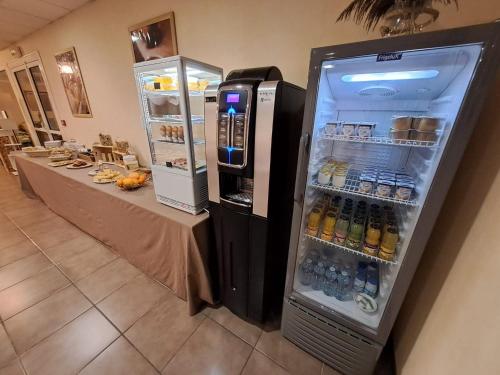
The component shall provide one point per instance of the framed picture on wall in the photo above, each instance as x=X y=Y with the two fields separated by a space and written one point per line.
x=72 y=80
x=154 y=39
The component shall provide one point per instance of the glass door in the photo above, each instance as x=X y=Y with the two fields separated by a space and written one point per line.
x=380 y=129
x=164 y=114
x=31 y=83
x=198 y=78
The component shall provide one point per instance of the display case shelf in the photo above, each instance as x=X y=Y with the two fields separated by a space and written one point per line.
x=176 y=119
x=349 y=250
x=351 y=187
x=380 y=141
x=195 y=142
x=173 y=93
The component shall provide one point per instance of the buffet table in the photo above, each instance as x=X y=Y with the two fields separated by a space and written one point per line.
x=167 y=244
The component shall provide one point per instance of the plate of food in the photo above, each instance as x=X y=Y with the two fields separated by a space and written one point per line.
x=36 y=151
x=106 y=176
x=79 y=164
x=133 y=181
x=60 y=163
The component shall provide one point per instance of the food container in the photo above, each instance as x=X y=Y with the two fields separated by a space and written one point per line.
x=399 y=134
x=425 y=124
x=404 y=190
x=339 y=177
x=366 y=184
x=175 y=134
x=366 y=129
x=324 y=176
x=52 y=144
x=331 y=128
x=385 y=187
x=348 y=129
x=401 y=122
x=130 y=162
x=425 y=136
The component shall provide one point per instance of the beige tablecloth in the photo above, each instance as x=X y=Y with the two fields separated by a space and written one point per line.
x=167 y=244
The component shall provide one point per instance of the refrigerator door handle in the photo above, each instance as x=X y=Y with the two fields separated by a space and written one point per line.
x=303 y=154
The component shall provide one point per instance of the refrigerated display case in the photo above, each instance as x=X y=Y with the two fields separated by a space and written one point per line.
x=171 y=94
x=386 y=123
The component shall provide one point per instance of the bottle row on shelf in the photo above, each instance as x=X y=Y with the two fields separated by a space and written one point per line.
x=371 y=180
x=339 y=280
x=371 y=230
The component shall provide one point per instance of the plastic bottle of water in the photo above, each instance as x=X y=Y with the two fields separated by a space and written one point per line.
x=360 y=279
x=307 y=271
x=319 y=276
x=344 y=284
x=330 y=284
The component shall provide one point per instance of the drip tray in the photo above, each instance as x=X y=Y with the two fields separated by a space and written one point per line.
x=245 y=198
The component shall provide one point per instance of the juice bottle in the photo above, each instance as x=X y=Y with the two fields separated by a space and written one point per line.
x=388 y=245
x=329 y=226
x=313 y=222
x=341 y=229
x=372 y=239
x=355 y=234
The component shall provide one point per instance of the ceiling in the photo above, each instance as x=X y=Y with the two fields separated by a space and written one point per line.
x=19 y=18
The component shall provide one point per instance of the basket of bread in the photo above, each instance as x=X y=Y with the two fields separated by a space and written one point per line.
x=133 y=181
x=36 y=151
x=59 y=154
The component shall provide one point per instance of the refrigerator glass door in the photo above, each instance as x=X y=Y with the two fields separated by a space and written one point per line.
x=381 y=125
x=198 y=78
x=163 y=112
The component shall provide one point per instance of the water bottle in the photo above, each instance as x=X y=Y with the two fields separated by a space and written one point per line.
x=306 y=271
x=344 y=284
x=319 y=276
x=360 y=279
x=330 y=283
x=371 y=286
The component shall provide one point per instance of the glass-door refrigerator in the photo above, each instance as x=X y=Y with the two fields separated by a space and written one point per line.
x=171 y=95
x=385 y=126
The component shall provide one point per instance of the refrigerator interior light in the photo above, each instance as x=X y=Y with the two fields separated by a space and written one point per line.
x=391 y=76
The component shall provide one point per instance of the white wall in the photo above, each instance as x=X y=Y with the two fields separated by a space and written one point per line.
x=451 y=329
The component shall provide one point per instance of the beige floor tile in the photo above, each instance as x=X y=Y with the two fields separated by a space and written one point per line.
x=162 y=331
x=287 y=354
x=210 y=350
x=52 y=232
x=30 y=291
x=71 y=348
x=71 y=247
x=22 y=269
x=11 y=237
x=41 y=320
x=132 y=301
x=7 y=353
x=78 y=266
x=327 y=370
x=107 y=279
x=120 y=358
x=259 y=364
x=17 y=251
x=244 y=330
x=29 y=218
x=12 y=368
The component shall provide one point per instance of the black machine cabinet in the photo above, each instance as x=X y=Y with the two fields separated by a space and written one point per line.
x=252 y=147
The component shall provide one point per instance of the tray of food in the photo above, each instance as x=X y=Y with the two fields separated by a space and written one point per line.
x=36 y=151
x=133 y=181
x=59 y=154
x=79 y=164
x=106 y=176
x=60 y=163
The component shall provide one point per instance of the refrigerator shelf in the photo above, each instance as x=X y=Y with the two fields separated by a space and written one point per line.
x=176 y=119
x=351 y=187
x=346 y=249
x=380 y=141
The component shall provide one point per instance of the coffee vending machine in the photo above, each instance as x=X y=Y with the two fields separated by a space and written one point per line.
x=253 y=129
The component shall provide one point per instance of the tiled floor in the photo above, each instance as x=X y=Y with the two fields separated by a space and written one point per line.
x=68 y=304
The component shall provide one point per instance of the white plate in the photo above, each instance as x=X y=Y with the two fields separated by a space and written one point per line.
x=366 y=303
